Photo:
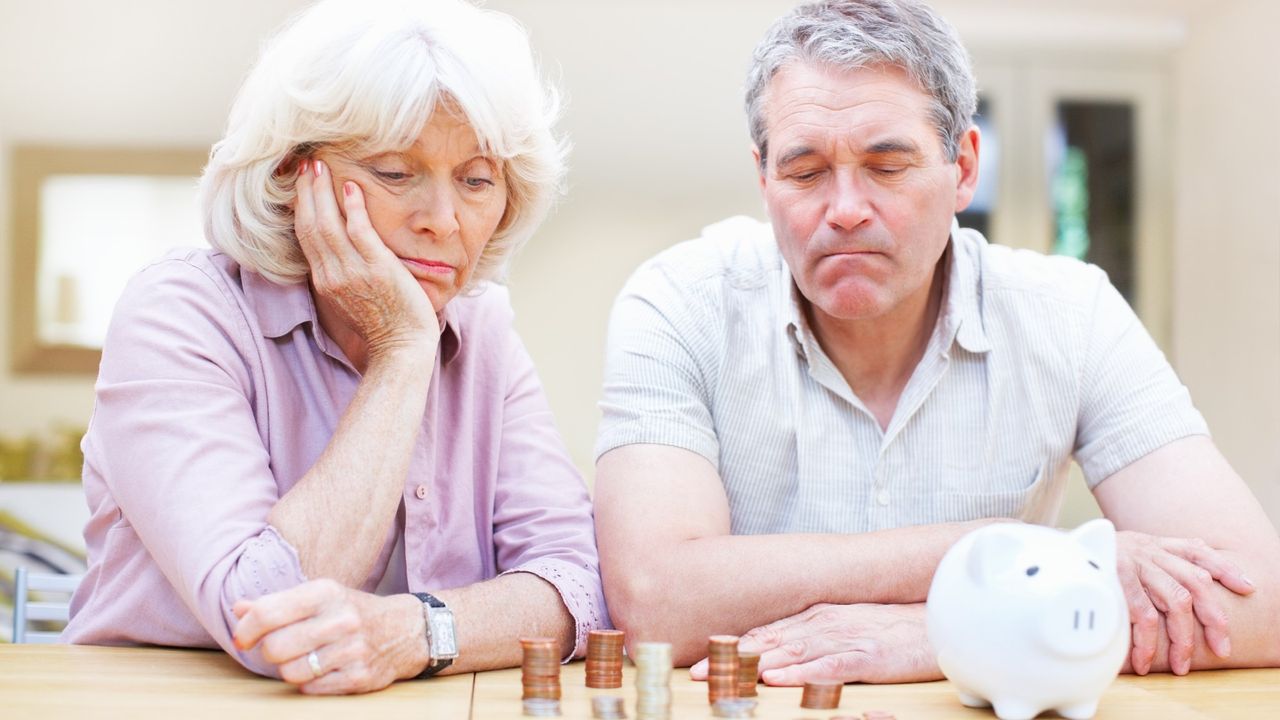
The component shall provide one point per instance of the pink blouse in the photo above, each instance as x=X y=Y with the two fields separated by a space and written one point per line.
x=218 y=390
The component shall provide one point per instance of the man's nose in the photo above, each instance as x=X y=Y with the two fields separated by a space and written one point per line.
x=849 y=204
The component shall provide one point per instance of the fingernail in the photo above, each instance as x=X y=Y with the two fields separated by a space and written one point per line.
x=1226 y=648
x=319 y=169
x=1247 y=581
x=348 y=188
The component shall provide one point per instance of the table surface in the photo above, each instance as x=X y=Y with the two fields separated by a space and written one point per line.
x=57 y=681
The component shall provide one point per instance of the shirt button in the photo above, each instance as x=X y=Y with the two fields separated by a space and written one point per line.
x=421 y=492
x=882 y=497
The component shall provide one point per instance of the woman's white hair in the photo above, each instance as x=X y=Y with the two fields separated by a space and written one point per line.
x=367 y=74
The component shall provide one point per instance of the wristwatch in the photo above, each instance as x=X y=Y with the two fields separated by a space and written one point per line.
x=442 y=641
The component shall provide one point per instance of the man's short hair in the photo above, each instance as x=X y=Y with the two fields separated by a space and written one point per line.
x=365 y=76
x=852 y=34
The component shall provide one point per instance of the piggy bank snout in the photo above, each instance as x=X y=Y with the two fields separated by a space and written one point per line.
x=1080 y=621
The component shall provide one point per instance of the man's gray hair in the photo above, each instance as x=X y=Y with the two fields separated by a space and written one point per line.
x=851 y=34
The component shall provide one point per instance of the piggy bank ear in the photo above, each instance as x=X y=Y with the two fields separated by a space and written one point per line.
x=994 y=549
x=1098 y=537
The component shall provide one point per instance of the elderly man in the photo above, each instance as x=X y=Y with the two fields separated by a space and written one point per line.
x=800 y=418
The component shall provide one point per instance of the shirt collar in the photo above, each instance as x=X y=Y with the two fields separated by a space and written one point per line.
x=280 y=309
x=962 y=314
x=797 y=325
x=961 y=317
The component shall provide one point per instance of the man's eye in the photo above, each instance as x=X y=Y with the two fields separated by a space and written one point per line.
x=889 y=171
x=807 y=176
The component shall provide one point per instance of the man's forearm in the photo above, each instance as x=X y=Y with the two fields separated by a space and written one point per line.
x=682 y=592
x=1252 y=627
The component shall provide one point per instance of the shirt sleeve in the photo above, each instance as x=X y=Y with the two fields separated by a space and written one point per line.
x=176 y=440
x=542 y=520
x=658 y=359
x=1132 y=402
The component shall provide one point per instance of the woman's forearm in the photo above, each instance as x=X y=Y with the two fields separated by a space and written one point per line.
x=338 y=515
x=493 y=615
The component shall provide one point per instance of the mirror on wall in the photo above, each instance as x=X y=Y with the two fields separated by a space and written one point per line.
x=85 y=220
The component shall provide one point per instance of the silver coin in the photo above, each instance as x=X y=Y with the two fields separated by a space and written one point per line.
x=541 y=707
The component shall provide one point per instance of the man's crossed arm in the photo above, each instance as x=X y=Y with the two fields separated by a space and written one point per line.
x=1195 y=551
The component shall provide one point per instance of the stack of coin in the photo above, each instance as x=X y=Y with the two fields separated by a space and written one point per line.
x=737 y=708
x=540 y=675
x=748 y=674
x=604 y=659
x=653 y=680
x=607 y=707
x=821 y=695
x=722 y=669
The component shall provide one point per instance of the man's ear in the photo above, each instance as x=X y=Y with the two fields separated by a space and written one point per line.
x=967 y=165
x=755 y=157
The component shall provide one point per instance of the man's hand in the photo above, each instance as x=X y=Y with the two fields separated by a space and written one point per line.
x=845 y=643
x=1175 y=577
x=362 y=642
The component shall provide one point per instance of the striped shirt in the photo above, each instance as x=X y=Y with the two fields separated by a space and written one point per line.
x=1034 y=360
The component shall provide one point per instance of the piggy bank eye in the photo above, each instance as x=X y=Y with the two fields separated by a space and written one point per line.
x=1031 y=571
x=1095 y=565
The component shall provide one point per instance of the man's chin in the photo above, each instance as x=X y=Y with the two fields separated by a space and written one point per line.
x=851 y=304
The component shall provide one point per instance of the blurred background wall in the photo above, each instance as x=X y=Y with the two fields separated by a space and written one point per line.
x=654 y=112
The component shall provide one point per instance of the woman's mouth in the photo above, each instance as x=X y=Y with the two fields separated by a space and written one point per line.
x=430 y=267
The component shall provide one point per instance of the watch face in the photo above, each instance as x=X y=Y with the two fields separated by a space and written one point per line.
x=444 y=643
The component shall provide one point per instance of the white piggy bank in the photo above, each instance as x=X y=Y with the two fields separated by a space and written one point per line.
x=1028 y=618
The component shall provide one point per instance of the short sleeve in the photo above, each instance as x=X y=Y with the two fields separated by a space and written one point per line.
x=659 y=360
x=1132 y=403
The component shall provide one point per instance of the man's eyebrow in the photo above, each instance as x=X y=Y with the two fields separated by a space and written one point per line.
x=793 y=155
x=893 y=147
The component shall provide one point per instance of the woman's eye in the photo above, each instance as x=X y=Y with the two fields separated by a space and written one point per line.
x=391 y=175
x=477 y=182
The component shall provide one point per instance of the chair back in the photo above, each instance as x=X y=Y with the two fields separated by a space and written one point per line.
x=26 y=611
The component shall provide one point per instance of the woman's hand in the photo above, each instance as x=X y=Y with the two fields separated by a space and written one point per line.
x=362 y=642
x=354 y=272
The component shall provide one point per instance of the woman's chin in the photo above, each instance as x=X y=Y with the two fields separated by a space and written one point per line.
x=438 y=296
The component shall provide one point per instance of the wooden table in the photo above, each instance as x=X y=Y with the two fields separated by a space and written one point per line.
x=59 y=681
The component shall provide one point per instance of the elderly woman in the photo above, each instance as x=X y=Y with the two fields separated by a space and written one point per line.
x=321 y=446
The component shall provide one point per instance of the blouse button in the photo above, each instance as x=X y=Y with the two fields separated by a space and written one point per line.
x=421 y=492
